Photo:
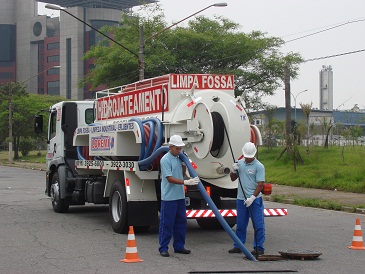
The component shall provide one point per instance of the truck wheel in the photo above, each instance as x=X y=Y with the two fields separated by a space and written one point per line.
x=118 y=208
x=59 y=205
x=213 y=223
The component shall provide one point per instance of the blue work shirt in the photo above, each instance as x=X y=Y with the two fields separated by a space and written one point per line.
x=250 y=174
x=171 y=166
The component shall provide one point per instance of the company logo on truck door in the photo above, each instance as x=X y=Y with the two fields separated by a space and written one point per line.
x=140 y=102
x=202 y=81
x=102 y=143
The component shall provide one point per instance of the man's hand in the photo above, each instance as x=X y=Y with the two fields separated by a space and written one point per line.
x=250 y=200
x=192 y=182
x=235 y=167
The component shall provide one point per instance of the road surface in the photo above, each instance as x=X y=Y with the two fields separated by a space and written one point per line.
x=34 y=239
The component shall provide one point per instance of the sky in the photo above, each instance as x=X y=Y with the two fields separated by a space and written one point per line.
x=291 y=19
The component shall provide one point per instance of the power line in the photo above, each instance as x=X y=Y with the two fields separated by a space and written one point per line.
x=335 y=55
x=317 y=28
x=317 y=32
x=327 y=29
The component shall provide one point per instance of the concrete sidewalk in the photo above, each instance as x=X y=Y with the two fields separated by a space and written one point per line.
x=350 y=202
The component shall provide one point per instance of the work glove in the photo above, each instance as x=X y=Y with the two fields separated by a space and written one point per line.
x=192 y=182
x=250 y=200
x=235 y=167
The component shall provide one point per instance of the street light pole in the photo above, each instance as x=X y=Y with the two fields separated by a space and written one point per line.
x=142 y=41
x=11 y=110
x=295 y=104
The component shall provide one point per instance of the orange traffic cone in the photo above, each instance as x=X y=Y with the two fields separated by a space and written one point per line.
x=131 y=255
x=357 y=241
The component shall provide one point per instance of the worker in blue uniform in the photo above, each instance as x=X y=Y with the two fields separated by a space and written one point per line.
x=249 y=198
x=173 y=208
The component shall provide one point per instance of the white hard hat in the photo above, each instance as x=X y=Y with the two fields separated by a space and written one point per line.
x=249 y=150
x=175 y=140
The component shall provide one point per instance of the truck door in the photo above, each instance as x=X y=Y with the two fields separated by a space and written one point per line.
x=55 y=139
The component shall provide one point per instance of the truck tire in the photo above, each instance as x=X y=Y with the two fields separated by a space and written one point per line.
x=118 y=208
x=59 y=205
x=213 y=223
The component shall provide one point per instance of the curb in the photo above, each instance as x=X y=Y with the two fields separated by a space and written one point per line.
x=360 y=210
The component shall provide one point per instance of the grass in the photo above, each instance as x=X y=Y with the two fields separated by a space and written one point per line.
x=34 y=156
x=338 y=168
x=311 y=202
x=34 y=160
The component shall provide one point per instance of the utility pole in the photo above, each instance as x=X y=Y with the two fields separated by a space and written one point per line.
x=287 y=105
x=141 y=54
x=10 y=126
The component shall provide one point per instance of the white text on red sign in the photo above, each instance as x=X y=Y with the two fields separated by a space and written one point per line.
x=139 y=102
x=201 y=81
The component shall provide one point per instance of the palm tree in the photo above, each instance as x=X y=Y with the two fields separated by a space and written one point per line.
x=307 y=111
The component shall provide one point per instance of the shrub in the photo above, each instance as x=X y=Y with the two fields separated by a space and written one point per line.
x=25 y=146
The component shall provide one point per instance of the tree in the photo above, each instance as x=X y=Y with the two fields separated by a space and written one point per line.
x=300 y=131
x=347 y=133
x=280 y=130
x=10 y=94
x=269 y=114
x=307 y=108
x=326 y=128
x=204 y=46
x=356 y=132
x=24 y=106
x=339 y=132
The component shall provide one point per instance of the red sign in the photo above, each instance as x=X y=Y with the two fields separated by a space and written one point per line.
x=201 y=81
x=100 y=143
x=139 y=102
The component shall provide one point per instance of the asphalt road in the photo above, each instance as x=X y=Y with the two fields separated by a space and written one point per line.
x=34 y=239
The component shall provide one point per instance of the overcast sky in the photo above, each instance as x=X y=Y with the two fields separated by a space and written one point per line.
x=290 y=19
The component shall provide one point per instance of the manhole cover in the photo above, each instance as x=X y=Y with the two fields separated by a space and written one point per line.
x=270 y=258
x=300 y=254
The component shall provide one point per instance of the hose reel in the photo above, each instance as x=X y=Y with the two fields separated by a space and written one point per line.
x=218 y=133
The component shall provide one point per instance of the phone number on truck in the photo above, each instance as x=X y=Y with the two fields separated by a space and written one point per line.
x=122 y=164
x=89 y=163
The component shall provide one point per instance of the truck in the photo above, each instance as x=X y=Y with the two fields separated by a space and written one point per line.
x=107 y=150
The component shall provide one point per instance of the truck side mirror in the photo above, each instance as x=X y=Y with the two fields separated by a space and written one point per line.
x=38 y=124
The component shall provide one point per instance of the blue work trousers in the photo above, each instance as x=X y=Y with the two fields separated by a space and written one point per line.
x=172 y=224
x=243 y=215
